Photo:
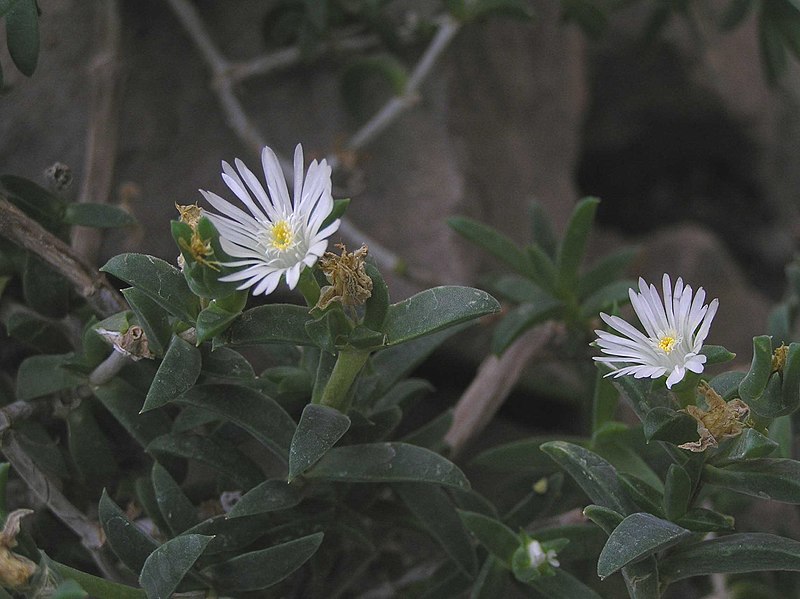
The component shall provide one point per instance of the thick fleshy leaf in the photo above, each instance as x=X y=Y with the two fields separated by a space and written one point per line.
x=319 y=429
x=716 y=354
x=742 y=552
x=249 y=409
x=224 y=363
x=573 y=245
x=232 y=534
x=273 y=323
x=498 y=538
x=702 y=520
x=435 y=309
x=93 y=585
x=522 y=456
x=432 y=507
x=269 y=496
x=431 y=434
x=637 y=536
x=44 y=290
x=129 y=543
x=22 y=35
x=755 y=381
x=646 y=497
x=377 y=306
x=727 y=384
x=159 y=280
x=404 y=395
x=223 y=458
x=790 y=382
x=89 y=446
x=522 y=318
x=677 y=492
x=665 y=424
x=124 y=401
x=69 y=589
x=176 y=509
x=177 y=373
x=166 y=567
x=42 y=375
x=748 y=445
x=606 y=298
x=213 y=320
x=153 y=319
x=594 y=475
x=494 y=242
x=97 y=215
x=387 y=462
x=329 y=331
x=36 y=331
x=492 y=580
x=768 y=478
x=261 y=569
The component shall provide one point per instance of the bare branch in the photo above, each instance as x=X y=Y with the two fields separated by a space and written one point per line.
x=46 y=490
x=495 y=379
x=88 y=282
x=101 y=142
x=398 y=105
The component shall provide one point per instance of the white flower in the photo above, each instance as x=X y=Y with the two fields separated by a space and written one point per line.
x=675 y=331
x=276 y=236
x=539 y=556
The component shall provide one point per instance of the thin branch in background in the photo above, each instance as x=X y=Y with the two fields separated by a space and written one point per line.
x=46 y=490
x=25 y=232
x=101 y=140
x=225 y=75
x=495 y=379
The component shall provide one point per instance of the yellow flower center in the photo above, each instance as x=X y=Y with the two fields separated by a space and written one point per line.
x=667 y=343
x=281 y=235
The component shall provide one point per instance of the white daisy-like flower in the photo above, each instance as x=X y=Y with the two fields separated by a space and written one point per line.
x=539 y=556
x=674 y=333
x=276 y=236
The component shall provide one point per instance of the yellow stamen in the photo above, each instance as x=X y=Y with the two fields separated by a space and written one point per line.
x=281 y=235
x=667 y=344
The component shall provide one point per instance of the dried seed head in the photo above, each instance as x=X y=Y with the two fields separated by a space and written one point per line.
x=350 y=284
x=722 y=420
x=132 y=343
x=189 y=214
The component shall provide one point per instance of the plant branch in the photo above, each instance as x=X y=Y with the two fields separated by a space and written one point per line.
x=448 y=27
x=25 y=232
x=495 y=379
x=89 y=532
x=101 y=142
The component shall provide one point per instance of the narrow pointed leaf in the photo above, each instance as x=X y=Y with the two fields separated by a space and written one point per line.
x=159 y=280
x=573 y=246
x=562 y=585
x=498 y=538
x=269 y=496
x=755 y=381
x=124 y=401
x=129 y=543
x=605 y=271
x=100 y=216
x=319 y=429
x=167 y=565
x=22 y=35
x=768 y=478
x=175 y=507
x=387 y=462
x=213 y=320
x=594 y=475
x=522 y=318
x=637 y=536
x=432 y=507
x=153 y=319
x=492 y=580
x=377 y=305
x=435 y=309
x=177 y=373
x=741 y=552
x=264 y=568
x=41 y=375
x=702 y=520
x=258 y=414
x=223 y=458
x=494 y=242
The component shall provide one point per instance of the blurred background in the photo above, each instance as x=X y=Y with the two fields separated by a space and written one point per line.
x=681 y=116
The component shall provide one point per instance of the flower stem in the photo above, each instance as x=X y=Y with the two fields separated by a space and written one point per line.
x=348 y=365
x=308 y=286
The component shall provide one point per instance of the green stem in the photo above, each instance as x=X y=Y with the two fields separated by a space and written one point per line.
x=348 y=365
x=308 y=286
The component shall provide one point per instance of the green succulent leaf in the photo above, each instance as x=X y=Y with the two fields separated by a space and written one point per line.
x=495 y=243
x=42 y=375
x=273 y=323
x=432 y=507
x=129 y=543
x=768 y=478
x=261 y=569
x=177 y=373
x=677 y=492
x=22 y=35
x=99 y=216
x=521 y=319
x=255 y=412
x=498 y=539
x=637 y=536
x=735 y=553
x=167 y=566
x=387 y=462
x=573 y=245
x=269 y=496
x=176 y=510
x=153 y=319
x=319 y=429
x=434 y=310
x=159 y=280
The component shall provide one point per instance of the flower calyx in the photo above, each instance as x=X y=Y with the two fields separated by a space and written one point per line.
x=721 y=420
x=132 y=343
